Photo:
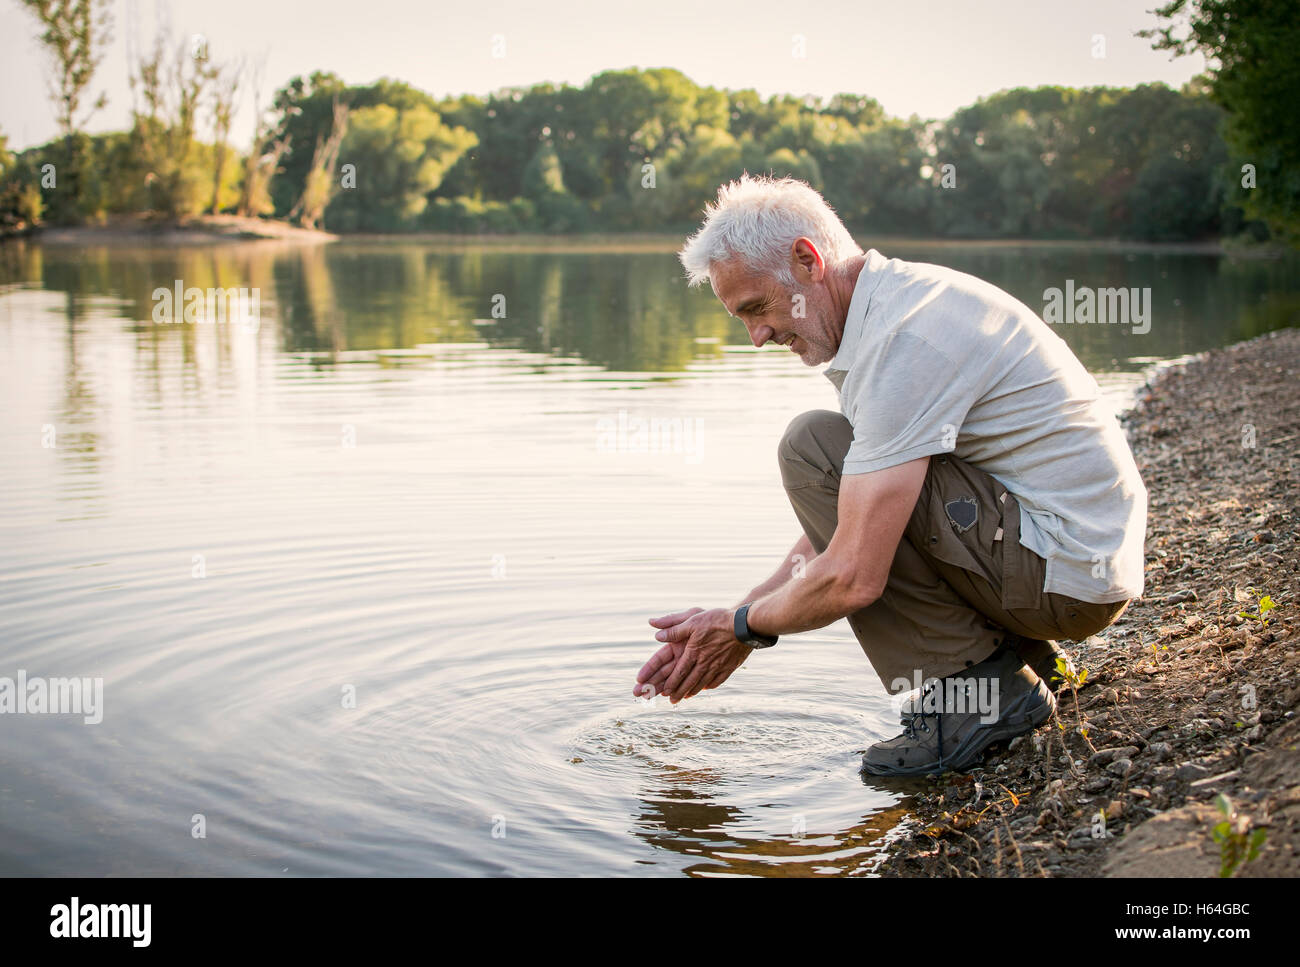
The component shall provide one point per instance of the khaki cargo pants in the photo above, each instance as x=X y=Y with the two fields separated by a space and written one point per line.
x=960 y=578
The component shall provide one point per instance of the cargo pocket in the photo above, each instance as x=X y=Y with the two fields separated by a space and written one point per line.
x=957 y=526
x=1023 y=571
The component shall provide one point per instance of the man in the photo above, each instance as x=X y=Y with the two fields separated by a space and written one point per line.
x=973 y=500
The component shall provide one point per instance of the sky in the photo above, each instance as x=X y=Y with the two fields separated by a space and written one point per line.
x=925 y=57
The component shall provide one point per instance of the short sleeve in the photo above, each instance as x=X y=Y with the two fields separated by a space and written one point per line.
x=906 y=401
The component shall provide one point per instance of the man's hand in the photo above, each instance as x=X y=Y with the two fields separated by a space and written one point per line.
x=701 y=651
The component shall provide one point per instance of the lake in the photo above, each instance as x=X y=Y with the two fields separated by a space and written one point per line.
x=365 y=570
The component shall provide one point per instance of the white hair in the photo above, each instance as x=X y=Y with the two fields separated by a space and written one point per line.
x=757 y=219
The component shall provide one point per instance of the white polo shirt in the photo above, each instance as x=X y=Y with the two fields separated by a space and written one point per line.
x=937 y=361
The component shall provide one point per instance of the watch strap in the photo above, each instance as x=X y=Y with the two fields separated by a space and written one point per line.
x=748 y=637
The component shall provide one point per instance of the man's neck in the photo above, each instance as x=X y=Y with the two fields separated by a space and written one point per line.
x=844 y=281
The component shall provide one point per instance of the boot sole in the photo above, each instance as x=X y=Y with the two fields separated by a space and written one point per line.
x=1032 y=710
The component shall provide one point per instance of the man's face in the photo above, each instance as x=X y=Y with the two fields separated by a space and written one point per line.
x=772 y=313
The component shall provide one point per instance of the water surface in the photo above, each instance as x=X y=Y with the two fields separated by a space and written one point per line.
x=367 y=586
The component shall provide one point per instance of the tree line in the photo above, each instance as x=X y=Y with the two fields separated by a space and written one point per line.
x=644 y=150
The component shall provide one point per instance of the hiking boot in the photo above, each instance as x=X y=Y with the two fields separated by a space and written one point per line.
x=1038 y=654
x=956 y=718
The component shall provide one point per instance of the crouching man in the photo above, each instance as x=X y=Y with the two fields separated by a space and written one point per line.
x=973 y=500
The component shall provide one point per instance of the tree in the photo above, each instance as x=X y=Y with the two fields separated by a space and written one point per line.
x=1255 y=75
x=263 y=160
x=320 y=185
x=225 y=87
x=168 y=88
x=74 y=36
x=20 y=196
x=395 y=158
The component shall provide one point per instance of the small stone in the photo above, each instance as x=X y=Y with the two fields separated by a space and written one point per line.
x=1190 y=771
x=1105 y=756
x=1139 y=793
x=1120 y=767
x=1163 y=751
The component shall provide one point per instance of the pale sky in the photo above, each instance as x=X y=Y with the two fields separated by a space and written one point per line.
x=926 y=57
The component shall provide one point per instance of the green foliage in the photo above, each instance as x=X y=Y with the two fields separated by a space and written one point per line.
x=20 y=193
x=1239 y=843
x=1264 y=607
x=1255 y=74
x=645 y=150
x=399 y=157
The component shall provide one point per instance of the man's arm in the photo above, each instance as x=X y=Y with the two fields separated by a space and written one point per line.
x=796 y=562
x=874 y=508
x=873 y=512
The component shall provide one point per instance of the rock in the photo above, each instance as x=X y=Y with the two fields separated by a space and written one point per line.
x=1190 y=772
x=1104 y=756
x=1179 y=597
x=1120 y=767
x=1163 y=751
x=1097 y=785
x=1172 y=844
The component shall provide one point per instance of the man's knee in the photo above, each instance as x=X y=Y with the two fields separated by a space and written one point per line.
x=819 y=438
x=812 y=449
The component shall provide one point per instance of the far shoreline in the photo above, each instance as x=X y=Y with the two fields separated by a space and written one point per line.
x=234 y=229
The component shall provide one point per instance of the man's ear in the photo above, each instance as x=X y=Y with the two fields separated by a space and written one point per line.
x=806 y=262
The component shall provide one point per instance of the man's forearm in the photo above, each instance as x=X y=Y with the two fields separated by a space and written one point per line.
x=796 y=563
x=826 y=593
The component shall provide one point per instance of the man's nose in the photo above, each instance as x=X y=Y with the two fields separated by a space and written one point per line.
x=760 y=334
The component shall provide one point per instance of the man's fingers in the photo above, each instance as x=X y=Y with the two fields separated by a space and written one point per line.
x=672 y=688
x=654 y=685
x=693 y=684
x=661 y=659
x=660 y=677
x=718 y=679
x=677 y=617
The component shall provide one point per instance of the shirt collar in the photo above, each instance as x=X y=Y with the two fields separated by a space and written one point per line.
x=856 y=318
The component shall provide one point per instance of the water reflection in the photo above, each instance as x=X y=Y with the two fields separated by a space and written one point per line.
x=623 y=311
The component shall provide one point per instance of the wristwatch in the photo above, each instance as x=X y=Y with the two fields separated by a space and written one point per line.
x=751 y=638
